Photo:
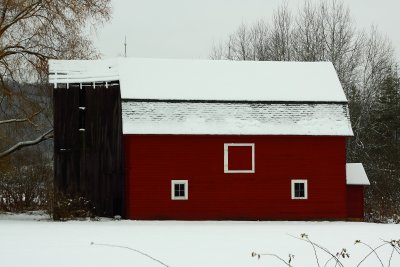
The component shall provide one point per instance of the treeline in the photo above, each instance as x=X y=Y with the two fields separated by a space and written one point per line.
x=367 y=69
x=31 y=33
x=26 y=176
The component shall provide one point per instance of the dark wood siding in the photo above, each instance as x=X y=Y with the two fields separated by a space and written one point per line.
x=88 y=145
x=152 y=161
x=355 y=201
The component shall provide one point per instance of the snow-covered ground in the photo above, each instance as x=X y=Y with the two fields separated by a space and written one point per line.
x=34 y=241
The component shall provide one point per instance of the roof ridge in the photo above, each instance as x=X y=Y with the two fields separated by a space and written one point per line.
x=231 y=101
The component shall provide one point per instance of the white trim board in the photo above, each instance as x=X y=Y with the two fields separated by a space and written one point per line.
x=173 y=183
x=305 y=182
x=226 y=158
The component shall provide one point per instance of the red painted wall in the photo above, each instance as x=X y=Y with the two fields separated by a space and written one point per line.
x=152 y=161
x=355 y=201
x=240 y=158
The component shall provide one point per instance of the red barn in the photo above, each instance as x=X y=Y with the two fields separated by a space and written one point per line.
x=216 y=140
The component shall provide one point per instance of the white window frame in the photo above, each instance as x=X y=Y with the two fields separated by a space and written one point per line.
x=305 y=182
x=226 y=156
x=173 y=183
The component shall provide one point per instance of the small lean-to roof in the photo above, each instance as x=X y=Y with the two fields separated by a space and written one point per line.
x=184 y=79
x=233 y=118
x=355 y=174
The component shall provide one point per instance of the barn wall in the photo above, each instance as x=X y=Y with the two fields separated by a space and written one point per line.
x=152 y=161
x=66 y=139
x=88 y=145
x=355 y=201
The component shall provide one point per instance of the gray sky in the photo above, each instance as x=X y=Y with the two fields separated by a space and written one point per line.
x=188 y=28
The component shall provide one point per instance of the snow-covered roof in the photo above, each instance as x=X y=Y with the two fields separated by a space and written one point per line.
x=355 y=174
x=184 y=117
x=183 y=79
x=82 y=71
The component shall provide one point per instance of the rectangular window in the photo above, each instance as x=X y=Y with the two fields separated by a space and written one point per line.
x=299 y=189
x=179 y=189
x=239 y=158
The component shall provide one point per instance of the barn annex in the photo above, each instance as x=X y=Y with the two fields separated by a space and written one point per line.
x=205 y=140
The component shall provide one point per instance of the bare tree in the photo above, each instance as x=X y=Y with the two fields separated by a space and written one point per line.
x=281 y=33
x=308 y=37
x=260 y=33
x=31 y=32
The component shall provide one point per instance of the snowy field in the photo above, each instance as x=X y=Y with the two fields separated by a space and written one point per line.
x=35 y=241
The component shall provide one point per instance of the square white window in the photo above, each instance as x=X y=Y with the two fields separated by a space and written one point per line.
x=239 y=158
x=299 y=189
x=179 y=189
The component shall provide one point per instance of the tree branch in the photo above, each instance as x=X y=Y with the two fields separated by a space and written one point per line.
x=22 y=144
x=21 y=120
